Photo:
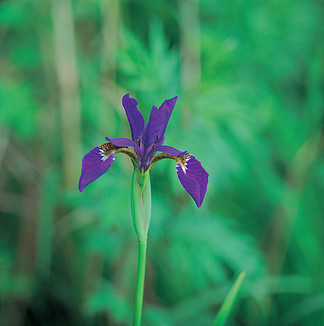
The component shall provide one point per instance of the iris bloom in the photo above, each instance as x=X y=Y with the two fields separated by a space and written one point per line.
x=147 y=140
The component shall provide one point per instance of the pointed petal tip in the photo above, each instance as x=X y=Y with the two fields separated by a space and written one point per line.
x=127 y=99
x=81 y=187
x=172 y=101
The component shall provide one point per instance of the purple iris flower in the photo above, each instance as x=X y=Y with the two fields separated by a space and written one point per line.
x=147 y=140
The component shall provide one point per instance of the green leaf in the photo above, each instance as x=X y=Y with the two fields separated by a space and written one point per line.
x=228 y=304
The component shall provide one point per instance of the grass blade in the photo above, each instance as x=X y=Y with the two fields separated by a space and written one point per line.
x=228 y=304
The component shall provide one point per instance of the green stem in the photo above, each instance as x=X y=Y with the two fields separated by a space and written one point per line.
x=140 y=282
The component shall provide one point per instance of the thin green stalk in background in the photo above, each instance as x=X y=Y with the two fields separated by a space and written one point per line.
x=228 y=304
x=140 y=282
x=108 y=65
x=65 y=50
x=190 y=43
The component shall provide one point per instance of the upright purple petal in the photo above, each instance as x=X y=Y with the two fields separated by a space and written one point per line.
x=165 y=111
x=94 y=164
x=150 y=131
x=159 y=118
x=193 y=178
x=123 y=142
x=134 y=116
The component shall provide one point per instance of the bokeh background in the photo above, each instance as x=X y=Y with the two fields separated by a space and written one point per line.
x=250 y=80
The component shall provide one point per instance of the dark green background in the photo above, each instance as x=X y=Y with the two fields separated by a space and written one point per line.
x=250 y=80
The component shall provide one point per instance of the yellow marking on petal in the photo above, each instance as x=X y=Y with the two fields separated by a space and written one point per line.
x=105 y=150
x=182 y=160
x=103 y=156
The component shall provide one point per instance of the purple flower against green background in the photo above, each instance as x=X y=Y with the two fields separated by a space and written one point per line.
x=147 y=140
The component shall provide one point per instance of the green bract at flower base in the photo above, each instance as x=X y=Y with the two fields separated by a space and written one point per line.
x=141 y=203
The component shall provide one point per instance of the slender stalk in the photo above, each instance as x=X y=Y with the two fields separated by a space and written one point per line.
x=108 y=48
x=190 y=43
x=140 y=282
x=68 y=82
x=230 y=299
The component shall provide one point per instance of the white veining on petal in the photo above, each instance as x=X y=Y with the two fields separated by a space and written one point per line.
x=184 y=165
x=184 y=168
x=103 y=155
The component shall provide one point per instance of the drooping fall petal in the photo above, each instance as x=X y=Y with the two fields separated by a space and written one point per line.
x=94 y=164
x=193 y=178
x=134 y=116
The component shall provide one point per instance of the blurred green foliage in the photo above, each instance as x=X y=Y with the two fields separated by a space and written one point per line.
x=249 y=76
